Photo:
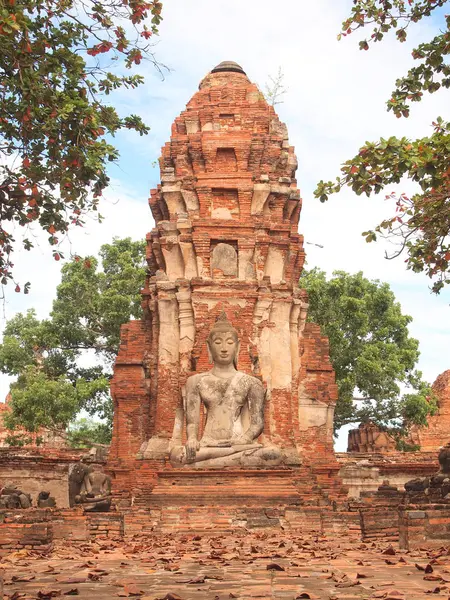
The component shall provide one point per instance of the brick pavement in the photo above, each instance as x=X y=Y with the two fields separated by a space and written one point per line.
x=243 y=566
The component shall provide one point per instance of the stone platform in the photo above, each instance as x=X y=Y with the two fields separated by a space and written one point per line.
x=232 y=487
x=222 y=499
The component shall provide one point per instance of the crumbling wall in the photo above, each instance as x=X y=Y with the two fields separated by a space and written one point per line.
x=33 y=470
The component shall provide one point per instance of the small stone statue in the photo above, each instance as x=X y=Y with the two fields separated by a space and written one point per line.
x=234 y=405
x=442 y=478
x=419 y=484
x=386 y=489
x=11 y=497
x=95 y=492
x=45 y=500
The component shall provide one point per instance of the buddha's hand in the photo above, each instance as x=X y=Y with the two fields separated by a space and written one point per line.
x=191 y=450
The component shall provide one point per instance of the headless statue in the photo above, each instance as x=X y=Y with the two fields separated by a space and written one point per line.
x=76 y=477
x=95 y=493
x=234 y=406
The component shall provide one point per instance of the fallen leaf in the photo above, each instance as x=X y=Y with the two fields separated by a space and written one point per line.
x=347 y=584
x=395 y=595
x=191 y=581
x=22 y=578
x=16 y=596
x=130 y=590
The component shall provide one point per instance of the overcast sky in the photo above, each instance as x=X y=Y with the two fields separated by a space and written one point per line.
x=335 y=101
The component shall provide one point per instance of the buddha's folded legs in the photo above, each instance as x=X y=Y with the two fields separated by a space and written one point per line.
x=251 y=455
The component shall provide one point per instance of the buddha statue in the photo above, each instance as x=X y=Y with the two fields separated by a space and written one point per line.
x=234 y=409
x=95 y=492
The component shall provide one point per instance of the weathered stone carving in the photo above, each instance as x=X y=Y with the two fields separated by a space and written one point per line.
x=45 y=500
x=444 y=460
x=76 y=476
x=234 y=405
x=11 y=497
x=224 y=260
x=95 y=493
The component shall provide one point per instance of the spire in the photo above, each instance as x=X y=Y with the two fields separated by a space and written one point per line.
x=228 y=65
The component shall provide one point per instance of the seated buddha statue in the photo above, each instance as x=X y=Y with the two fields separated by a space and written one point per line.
x=234 y=408
x=95 y=492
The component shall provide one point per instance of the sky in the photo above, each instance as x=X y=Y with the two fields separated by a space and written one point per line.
x=334 y=101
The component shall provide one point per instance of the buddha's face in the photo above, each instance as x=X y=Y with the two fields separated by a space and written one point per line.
x=223 y=347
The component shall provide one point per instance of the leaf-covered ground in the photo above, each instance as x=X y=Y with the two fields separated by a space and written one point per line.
x=254 y=565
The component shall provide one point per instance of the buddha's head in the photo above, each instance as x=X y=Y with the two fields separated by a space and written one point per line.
x=223 y=342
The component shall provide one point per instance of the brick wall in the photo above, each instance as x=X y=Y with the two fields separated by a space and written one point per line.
x=424 y=524
x=33 y=470
x=437 y=433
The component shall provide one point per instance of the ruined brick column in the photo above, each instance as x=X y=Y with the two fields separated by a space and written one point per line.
x=437 y=433
x=226 y=239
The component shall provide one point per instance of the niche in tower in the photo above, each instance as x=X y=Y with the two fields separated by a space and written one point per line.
x=224 y=204
x=226 y=161
x=224 y=259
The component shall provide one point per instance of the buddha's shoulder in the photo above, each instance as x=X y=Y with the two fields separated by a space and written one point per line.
x=250 y=380
x=194 y=380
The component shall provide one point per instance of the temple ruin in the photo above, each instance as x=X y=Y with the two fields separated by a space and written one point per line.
x=226 y=242
x=224 y=393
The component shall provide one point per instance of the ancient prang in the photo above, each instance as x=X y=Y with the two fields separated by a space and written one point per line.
x=224 y=261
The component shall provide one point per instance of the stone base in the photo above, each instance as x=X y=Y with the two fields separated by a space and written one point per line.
x=265 y=487
x=153 y=486
x=145 y=484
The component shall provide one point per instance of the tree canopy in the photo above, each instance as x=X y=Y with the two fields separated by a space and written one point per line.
x=56 y=60
x=421 y=223
x=49 y=356
x=371 y=350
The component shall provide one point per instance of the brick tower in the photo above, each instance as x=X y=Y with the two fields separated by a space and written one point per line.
x=226 y=240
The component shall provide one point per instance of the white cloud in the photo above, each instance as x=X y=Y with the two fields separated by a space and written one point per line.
x=335 y=101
